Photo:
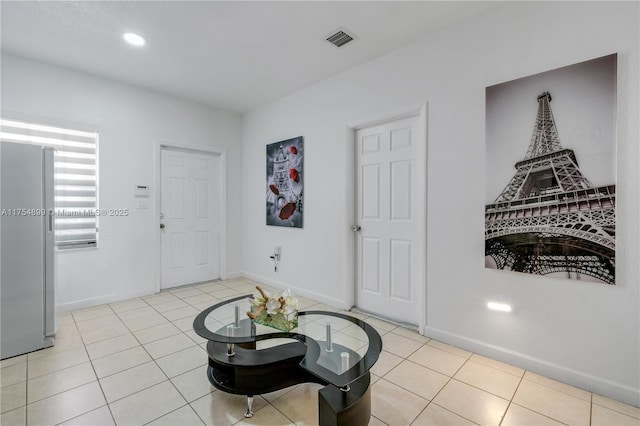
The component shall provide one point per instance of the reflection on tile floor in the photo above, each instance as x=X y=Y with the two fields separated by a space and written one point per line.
x=139 y=362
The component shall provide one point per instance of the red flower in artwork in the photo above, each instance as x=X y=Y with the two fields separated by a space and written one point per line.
x=287 y=210
x=293 y=174
x=293 y=150
x=274 y=189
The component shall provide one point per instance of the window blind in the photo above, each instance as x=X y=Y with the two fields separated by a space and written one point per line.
x=75 y=178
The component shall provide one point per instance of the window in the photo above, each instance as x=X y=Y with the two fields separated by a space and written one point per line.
x=75 y=178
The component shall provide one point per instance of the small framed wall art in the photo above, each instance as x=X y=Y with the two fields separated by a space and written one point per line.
x=285 y=174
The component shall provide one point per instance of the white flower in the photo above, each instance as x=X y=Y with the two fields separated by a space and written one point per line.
x=272 y=306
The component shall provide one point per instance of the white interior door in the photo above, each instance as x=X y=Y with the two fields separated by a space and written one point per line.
x=189 y=217
x=390 y=188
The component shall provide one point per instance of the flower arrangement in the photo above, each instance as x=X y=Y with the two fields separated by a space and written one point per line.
x=279 y=311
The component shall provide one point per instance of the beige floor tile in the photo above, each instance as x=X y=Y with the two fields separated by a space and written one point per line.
x=381 y=326
x=100 y=322
x=187 y=292
x=169 y=306
x=183 y=361
x=354 y=314
x=128 y=305
x=386 y=362
x=472 y=403
x=168 y=345
x=17 y=417
x=436 y=359
x=223 y=409
x=62 y=344
x=120 y=361
x=130 y=381
x=13 y=396
x=301 y=404
x=448 y=348
x=394 y=405
x=266 y=416
x=147 y=405
x=223 y=294
x=520 y=416
x=20 y=359
x=193 y=384
x=183 y=416
x=207 y=287
x=59 y=381
x=98 y=417
x=159 y=299
x=434 y=415
x=66 y=405
x=558 y=405
x=200 y=299
x=184 y=324
x=272 y=396
x=374 y=421
x=411 y=334
x=176 y=314
x=57 y=361
x=601 y=416
x=204 y=305
x=140 y=323
x=399 y=345
x=93 y=312
x=110 y=346
x=195 y=337
x=144 y=311
x=13 y=374
x=507 y=368
x=420 y=380
x=559 y=386
x=105 y=333
x=489 y=379
x=156 y=332
x=616 y=406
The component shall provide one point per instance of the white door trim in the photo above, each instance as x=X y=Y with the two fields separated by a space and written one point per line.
x=351 y=200
x=159 y=145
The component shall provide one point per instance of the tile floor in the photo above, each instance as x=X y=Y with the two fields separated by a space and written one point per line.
x=139 y=362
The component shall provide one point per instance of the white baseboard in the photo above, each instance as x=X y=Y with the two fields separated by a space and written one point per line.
x=331 y=301
x=101 y=300
x=600 y=386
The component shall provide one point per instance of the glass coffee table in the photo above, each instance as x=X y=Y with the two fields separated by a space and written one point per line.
x=332 y=349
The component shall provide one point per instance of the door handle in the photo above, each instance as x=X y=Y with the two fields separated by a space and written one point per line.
x=356 y=228
x=162 y=226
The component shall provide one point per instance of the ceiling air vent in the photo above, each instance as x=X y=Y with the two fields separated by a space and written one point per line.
x=340 y=38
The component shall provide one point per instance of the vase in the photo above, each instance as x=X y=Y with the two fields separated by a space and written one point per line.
x=278 y=321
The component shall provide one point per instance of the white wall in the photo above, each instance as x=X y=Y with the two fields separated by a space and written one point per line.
x=583 y=333
x=129 y=121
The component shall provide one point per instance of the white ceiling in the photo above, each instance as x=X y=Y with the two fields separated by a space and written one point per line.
x=234 y=55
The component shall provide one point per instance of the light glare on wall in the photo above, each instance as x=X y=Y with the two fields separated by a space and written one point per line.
x=500 y=307
x=134 y=39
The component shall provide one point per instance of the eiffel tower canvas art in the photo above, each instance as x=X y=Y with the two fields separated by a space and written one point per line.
x=549 y=218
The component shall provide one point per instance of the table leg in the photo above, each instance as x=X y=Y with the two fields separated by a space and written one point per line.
x=249 y=412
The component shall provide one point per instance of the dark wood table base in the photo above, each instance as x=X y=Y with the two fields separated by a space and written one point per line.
x=254 y=372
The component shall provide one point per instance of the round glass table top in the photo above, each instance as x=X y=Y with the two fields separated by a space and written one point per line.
x=340 y=348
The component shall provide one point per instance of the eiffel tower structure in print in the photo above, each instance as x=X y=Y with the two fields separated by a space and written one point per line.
x=549 y=218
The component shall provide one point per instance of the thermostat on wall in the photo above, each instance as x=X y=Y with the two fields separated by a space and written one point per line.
x=141 y=191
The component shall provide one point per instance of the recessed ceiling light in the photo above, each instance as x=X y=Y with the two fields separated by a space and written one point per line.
x=134 y=39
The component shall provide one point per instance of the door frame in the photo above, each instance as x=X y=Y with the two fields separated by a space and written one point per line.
x=196 y=149
x=419 y=111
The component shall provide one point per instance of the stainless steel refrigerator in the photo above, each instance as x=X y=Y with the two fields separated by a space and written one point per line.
x=27 y=305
